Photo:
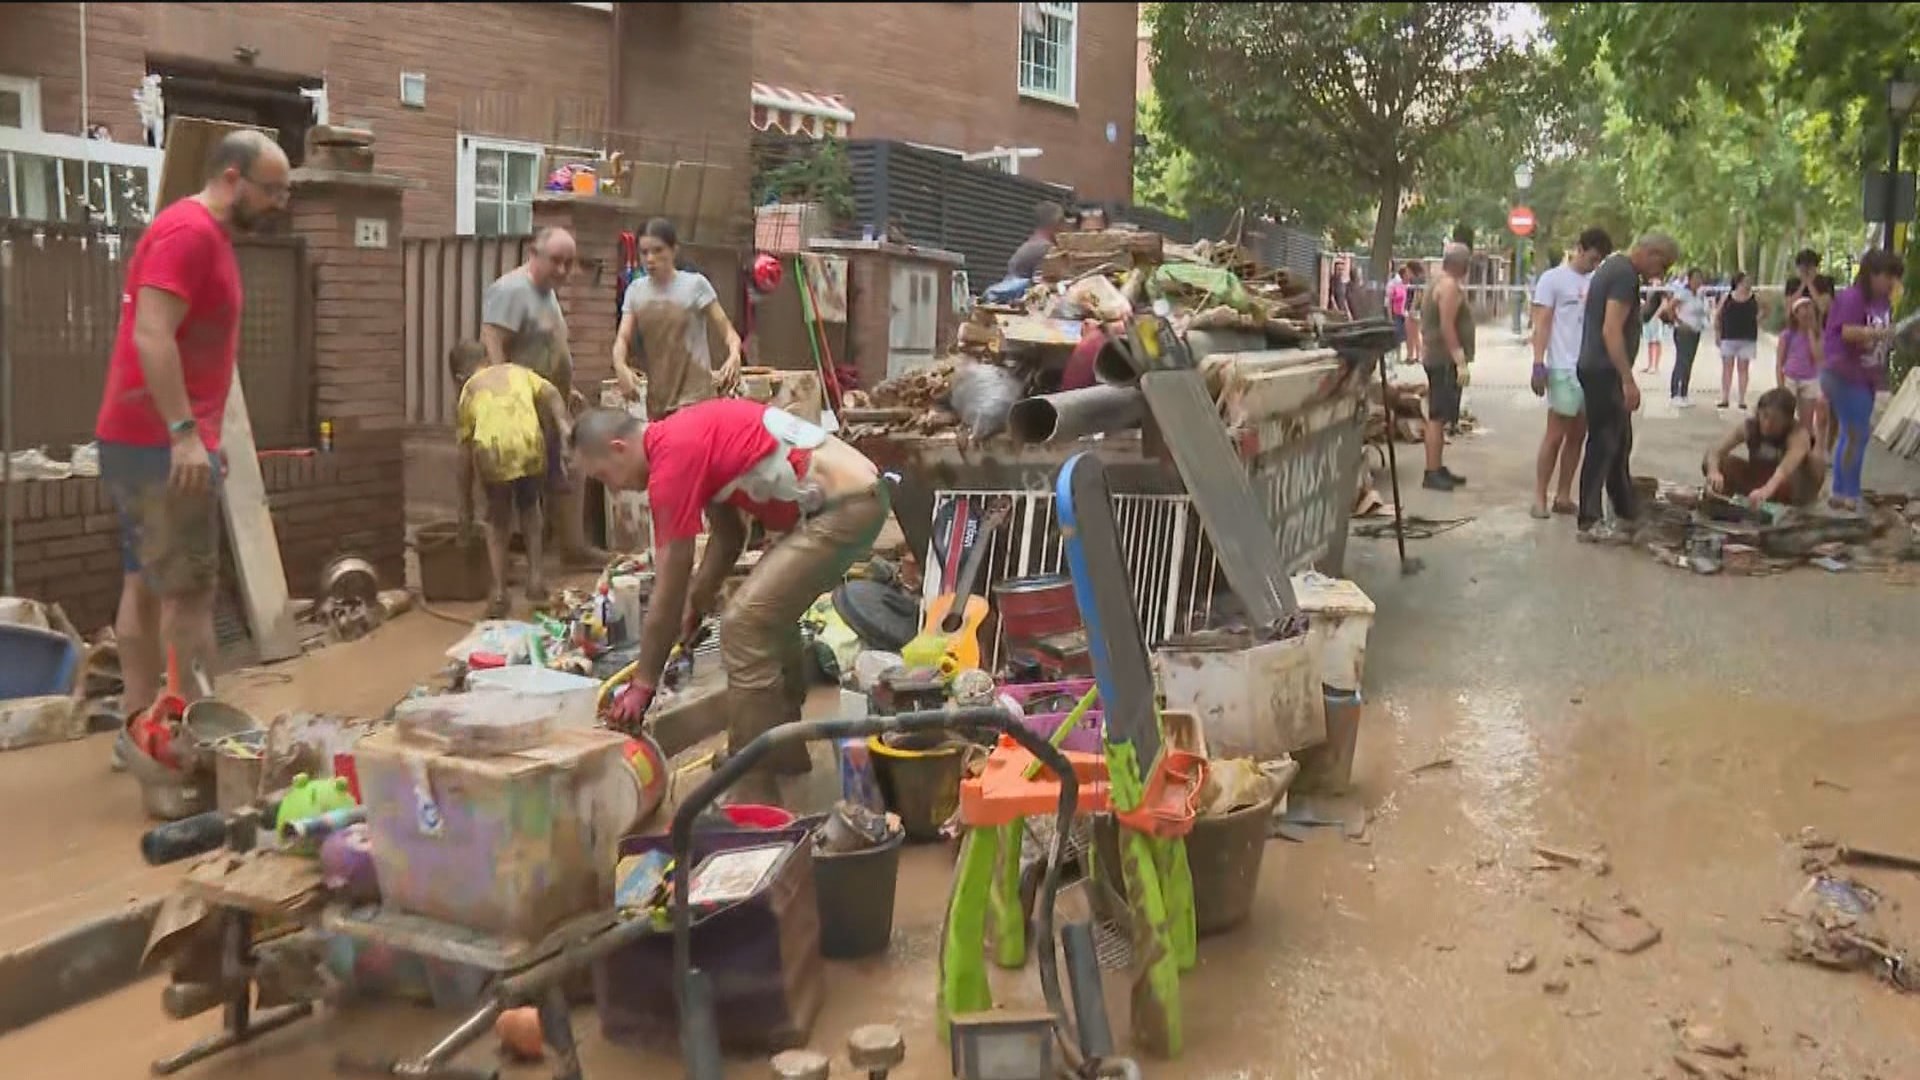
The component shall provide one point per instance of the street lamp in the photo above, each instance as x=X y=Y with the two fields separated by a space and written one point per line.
x=1903 y=92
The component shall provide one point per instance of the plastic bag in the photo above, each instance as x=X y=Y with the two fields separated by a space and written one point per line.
x=501 y=637
x=982 y=396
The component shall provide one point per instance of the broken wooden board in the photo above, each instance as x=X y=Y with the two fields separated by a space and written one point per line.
x=265 y=883
x=190 y=143
x=1621 y=929
x=250 y=532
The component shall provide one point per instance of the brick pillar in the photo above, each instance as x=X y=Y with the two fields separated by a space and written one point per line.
x=358 y=296
x=350 y=501
x=590 y=299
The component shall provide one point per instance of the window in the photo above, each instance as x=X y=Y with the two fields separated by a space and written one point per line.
x=1049 y=38
x=19 y=103
x=497 y=182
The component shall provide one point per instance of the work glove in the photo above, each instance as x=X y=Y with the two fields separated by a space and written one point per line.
x=630 y=708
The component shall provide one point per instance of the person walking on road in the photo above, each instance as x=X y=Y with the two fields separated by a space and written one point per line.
x=1736 y=327
x=1658 y=326
x=1559 y=314
x=1690 y=325
x=522 y=323
x=160 y=415
x=1446 y=322
x=1398 y=290
x=1609 y=337
x=1859 y=331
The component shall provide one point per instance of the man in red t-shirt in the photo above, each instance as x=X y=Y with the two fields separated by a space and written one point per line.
x=721 y=459
x=159 y=423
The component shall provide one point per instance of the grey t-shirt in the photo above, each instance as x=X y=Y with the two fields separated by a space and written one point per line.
x=1026 y=258
x=1616 y=279
x=536 y=328
x=671 y=321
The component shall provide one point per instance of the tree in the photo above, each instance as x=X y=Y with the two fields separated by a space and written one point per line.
x=1315 y=111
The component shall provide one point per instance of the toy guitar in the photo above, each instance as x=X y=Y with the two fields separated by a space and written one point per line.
x=952 y=626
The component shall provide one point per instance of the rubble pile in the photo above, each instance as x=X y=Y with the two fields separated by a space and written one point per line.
x=1692 y=529
x=1092 y=282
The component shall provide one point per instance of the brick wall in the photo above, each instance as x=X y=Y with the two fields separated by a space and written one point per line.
x=506 y=70
x=66 y=540
x=947 y=75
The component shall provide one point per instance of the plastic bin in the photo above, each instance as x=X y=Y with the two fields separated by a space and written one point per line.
x=36 y=662
x=571 y=696
x=1253 y=700
x=1339 y=619
x=763 y=955
x=511 y=845
x=854 y=892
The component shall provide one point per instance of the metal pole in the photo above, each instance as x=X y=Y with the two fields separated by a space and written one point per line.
x=1896 y=125
x=7 y=494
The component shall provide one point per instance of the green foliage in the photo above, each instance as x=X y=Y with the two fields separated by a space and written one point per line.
x=1319 y=112
x=1162 y=169
x=808 y=171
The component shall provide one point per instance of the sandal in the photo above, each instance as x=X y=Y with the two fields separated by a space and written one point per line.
x=1539 y=512
x=497 y=607
x=1562 y=506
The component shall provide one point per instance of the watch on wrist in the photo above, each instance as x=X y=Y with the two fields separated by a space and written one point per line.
x=180 y=429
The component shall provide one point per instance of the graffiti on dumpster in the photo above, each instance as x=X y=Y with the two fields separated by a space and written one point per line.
x=1306 y=494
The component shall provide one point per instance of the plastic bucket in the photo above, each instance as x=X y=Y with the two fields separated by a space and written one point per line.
x=921 y=786
x=854 y=891
x=452 y=568
x=1223 y=854
x=757 y=816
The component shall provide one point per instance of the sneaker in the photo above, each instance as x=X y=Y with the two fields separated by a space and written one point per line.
x=1605 y=533
x=1722 y=405
x=1539 y=512
x=1458 y=480
x=1683 y=403
x=1438 y=481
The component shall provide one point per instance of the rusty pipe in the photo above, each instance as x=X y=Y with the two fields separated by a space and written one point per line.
x=1070 y=414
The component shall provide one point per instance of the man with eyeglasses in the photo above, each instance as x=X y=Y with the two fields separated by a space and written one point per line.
x=523 y=324
x=166 y=394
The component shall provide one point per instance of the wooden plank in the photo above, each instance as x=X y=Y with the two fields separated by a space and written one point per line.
x=190 y=142
x=256 y=548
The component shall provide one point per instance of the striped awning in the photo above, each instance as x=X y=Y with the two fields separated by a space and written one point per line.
x=797 y=112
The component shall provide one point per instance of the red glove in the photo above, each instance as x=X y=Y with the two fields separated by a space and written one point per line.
x=629 y=708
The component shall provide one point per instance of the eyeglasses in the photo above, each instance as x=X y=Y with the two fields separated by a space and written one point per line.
x=275 y=189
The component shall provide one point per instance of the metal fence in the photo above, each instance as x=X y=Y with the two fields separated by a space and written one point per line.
x=874 y=188
x=62 y=313
x=445 y=279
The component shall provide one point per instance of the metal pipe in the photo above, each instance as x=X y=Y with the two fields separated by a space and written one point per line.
x=1070 y=414
x=1113 y=365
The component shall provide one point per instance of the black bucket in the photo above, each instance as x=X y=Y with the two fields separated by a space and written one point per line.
x=1223 y=854
x=854 y=892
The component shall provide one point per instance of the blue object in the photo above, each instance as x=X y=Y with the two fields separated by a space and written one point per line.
x=1007 y=291
x=1122 y=668
x=36 y=662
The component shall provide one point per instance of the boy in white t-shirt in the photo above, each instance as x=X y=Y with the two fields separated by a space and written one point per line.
x=1559 y=316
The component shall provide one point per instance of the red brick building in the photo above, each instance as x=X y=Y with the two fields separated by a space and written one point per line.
x=464 y=98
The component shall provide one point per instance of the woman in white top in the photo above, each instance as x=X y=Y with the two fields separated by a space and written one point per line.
x=672 y=312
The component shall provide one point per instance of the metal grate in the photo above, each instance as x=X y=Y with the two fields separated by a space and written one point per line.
x=1170 y=563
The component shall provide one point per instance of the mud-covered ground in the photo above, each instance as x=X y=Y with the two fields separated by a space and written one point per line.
x=1585 y=697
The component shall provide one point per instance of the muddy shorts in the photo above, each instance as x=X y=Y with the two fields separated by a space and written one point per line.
x=170 y=539
x=508 y=497
x=1806 y=390
x=1443 y=392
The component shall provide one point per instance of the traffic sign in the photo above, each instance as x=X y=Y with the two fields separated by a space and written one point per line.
x=1520 y=221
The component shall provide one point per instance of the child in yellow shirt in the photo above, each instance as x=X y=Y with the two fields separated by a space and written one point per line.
x=503 y=411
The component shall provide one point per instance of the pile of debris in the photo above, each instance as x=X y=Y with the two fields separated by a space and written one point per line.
x=1015 y=345
x=1694 y=529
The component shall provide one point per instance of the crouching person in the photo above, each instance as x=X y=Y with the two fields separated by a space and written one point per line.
x=1769 y=457
x=723 y=459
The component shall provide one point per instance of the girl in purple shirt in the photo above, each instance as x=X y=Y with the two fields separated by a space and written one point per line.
x=1858 y=329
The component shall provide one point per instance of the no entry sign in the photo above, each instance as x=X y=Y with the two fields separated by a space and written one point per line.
x=1520 y=221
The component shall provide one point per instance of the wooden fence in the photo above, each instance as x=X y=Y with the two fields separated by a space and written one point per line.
x=61 y=309
x=446 y=278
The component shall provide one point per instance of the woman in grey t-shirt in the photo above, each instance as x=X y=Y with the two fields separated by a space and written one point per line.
x=673 y=312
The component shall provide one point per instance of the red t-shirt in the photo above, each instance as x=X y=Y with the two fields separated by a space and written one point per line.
x=187 y=253
x=702 y=448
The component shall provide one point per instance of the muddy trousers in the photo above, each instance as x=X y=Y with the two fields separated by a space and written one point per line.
x=760 y=642
x=1606 y=469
